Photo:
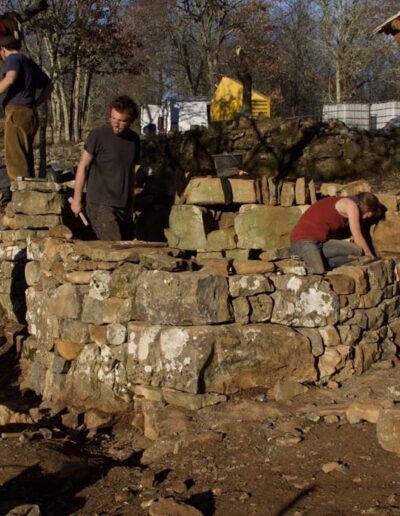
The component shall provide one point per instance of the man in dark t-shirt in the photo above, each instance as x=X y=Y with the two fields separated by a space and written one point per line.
x=22 y=78
x=108 y=159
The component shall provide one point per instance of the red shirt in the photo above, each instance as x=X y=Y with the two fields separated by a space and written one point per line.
x=320 y=222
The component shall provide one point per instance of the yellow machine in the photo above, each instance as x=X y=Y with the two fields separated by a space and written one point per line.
x=228 y=100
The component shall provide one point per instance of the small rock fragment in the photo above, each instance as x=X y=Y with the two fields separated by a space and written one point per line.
x=330 y=466
x=288 y=389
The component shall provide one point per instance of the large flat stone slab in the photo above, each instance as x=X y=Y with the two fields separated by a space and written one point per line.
x=183 y=298
x=266 y=227
x=206 y=191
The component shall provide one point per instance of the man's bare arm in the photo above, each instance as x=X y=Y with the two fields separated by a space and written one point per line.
x=80 y=179
x=7 y=81
x=354 y=215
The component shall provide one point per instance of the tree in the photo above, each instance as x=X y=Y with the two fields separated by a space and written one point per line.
x=348 y=42
x=77 y=41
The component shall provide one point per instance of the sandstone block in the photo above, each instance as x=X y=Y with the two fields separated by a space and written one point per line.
x=367 y=410
x=265 y=227
x=68 y=350
x=212 y=255
x=332 y=360
x=301 y=193
x=282 y=253
x=78 y=277
x=260 y=308
x=253 y=267
x=341 y=284
x=221 y=239
x=185 y=298
x=116 y=334
x=371 y=299
x=375 y=317
x=241 y=310
x=163 y=262
x=330 y=336
x=357 y=274
x=349 y=335
x=169 y=357
x=36 y=186
x=32 y=273
x=37 y=221
x=304 y=301
x=60 y=231
x=188 y=227
x=65 y=301
x=148 y=393
x=249 y=285
x=213 y=266
x=377 y=275
x=287 y=194
x=107 y=311
x=98 y=334
x=258 y=355
x=391 y=307
x=385 y=235
x=317 y=345
x=313 y=193
x=74 y=331
x=205 y=191
x=290 y=266
x=330 y=189
x=288 y=389
x=273 y=191
x=99 y=287
x=388 y=430
x=106 y=252
x=237 y=254
x=37 y=203
x=354 y=188
x=124 y=279
x=365 y=355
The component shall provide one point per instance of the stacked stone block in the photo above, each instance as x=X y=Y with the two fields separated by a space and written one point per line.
x=36 y=207
x=105 y=319
x=261 y=217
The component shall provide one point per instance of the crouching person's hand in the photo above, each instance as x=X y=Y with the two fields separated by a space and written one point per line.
x=76 y=207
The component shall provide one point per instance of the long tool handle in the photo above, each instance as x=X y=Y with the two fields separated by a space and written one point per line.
x=81 y=215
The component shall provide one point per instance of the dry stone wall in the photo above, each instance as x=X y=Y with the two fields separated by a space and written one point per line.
x=107 y=322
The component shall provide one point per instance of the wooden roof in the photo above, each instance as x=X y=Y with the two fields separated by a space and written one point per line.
x=390 y=26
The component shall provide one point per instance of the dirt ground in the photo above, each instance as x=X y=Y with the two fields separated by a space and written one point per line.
x=269 y=465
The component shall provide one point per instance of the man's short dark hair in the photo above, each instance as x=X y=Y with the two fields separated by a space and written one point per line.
x=14 y=44
x=125 y=104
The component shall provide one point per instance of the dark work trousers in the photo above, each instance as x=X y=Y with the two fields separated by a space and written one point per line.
x=333 y=252
x=20 y=127
x=110 y=223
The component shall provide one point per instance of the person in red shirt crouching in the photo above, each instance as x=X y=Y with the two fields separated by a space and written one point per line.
x=318 y=236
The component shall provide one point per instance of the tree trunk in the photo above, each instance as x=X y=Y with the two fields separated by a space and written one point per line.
x=338 y=83
x=76 y=103
x=42 y=140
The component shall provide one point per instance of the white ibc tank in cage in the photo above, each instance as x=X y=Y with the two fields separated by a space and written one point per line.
x=353 y=115
x=383 y=112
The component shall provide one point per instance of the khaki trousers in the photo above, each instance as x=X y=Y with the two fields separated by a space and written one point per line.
x=20 y=128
